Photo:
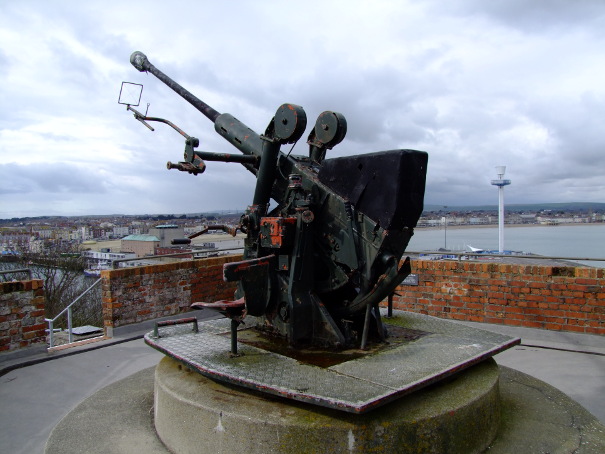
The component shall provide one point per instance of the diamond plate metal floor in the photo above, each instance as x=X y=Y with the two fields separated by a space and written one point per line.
x=354 y=386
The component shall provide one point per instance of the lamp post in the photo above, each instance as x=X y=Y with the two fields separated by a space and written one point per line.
x=500 y=182
x=444 y=228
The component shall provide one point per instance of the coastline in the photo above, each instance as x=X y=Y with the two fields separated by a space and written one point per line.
x=564 y=241
x=495 y=226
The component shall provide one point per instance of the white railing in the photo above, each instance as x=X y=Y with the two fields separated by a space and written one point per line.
x=68 y=309
x=463 y=255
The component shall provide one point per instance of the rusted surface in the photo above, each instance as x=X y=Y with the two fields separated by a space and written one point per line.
x=277 y=232
x=234 y=271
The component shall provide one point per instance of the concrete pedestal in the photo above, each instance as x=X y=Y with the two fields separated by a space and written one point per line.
x=194 y=414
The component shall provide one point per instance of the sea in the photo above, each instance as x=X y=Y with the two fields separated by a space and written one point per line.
x=578 y=241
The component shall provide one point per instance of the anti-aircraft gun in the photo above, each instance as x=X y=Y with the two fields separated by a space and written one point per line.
x=316 y=266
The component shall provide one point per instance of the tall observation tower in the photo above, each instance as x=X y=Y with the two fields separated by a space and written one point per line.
x=500 y=182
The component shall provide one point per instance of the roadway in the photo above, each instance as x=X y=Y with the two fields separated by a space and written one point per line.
x=37 y=389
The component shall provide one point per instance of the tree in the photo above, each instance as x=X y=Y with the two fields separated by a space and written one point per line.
x=60 y=265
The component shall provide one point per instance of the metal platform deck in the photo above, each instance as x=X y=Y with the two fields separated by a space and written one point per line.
x=367 y=381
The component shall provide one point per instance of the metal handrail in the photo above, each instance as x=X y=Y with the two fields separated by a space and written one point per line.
x=68 y=310
x=480 y=254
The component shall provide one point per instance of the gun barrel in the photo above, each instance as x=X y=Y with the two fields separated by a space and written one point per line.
x=140 y=61
x=234 y=131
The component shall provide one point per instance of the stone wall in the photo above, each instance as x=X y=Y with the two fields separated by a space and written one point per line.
x=21 y=314
x=133 y=295
x=549 y=297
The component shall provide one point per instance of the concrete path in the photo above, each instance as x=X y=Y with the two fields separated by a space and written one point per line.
x=34 y=398
x=572 y=363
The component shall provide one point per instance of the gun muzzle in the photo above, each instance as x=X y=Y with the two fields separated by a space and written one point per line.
x=139 y=60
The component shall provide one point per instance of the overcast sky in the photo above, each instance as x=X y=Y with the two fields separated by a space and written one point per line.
x=474 y=83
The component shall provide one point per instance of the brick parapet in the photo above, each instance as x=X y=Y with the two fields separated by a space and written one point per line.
x=549 y=297
x=21 y=314
x=133 y=295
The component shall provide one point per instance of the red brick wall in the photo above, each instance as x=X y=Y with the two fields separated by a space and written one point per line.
x=132 y=295
x=21 y=314
x=549 y=297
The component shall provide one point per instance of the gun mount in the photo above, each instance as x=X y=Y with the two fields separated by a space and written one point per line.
x=317 y=265
x=314 y=270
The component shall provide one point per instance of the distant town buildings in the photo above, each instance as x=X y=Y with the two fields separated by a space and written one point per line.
x=166 y=233
x=142 y=236
x=546 y=217
x=140 y=245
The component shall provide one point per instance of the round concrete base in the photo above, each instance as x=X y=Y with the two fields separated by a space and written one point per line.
x=194 y=414
x=118 y=419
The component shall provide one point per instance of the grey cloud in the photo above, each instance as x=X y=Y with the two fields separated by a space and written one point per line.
x=48 y=177
x=471 y=107
x=577 y=129
x=4 y=64
x=532 y=16
x=77 y=70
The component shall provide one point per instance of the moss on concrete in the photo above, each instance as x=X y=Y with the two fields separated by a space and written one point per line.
x=460 y=415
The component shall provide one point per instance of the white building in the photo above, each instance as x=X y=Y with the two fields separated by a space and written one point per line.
x=120 y=231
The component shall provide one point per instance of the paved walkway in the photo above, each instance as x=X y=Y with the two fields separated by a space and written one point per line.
x=37 y=389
